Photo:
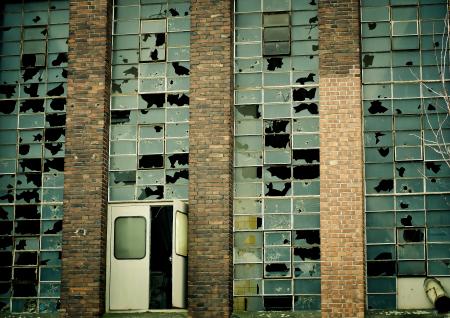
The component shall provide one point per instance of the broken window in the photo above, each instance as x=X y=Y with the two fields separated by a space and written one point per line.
x=33 y=72
x=149 y=144
x=403 y=171
x=152 y=40
x=276 y=152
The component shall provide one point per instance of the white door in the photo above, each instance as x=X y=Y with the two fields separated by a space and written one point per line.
x=129 y=255
x=179 y=254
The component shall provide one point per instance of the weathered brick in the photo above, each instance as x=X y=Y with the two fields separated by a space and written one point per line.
x=341 y=184
x=210 y=167
x=85 y=187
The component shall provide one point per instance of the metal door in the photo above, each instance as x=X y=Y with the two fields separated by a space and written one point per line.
x=129 y=256
x=179 y=254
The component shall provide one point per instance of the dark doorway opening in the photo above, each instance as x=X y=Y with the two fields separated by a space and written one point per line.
x=161 y=257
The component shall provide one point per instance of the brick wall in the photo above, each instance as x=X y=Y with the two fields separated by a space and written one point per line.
x=341 y=184
x=210 y=170
x=85 y=187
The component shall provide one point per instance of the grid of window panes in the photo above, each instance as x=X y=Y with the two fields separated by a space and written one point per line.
x=149 y=142
x=33 y=76
x=276 y=159
x=405 y=126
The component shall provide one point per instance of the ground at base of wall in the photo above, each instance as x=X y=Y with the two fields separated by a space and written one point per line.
x=147 y=315
x=406 y=314
x=277 y=314
x=269 y=314
x=317 y=314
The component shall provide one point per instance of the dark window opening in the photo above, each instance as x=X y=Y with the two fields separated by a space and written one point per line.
x=276 y=34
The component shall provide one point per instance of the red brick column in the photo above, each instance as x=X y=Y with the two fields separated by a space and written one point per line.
x=341 y=161
x=211 y=160
x=86 y=162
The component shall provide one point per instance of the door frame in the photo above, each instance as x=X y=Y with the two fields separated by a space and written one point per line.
x=108 y=250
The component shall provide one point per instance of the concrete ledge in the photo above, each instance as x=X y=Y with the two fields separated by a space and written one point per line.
x=22 y=315
x=171 y=314
x=405 y=314
x=317 y=314
x=260 y=314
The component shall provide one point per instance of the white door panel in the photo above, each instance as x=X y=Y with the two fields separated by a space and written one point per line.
x=130 y=258
x=179 y=255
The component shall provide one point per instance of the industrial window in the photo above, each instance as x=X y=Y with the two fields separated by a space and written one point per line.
x=406 y=179
x=277 y=34
x=276 y=167
x=149 y=143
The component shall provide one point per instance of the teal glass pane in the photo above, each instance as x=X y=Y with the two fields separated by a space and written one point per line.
x=404 y=28
x=438 y=218
x=276 y=5
x=277 y=79
x=383 y=123
x=248 y=35
x=307 y=302
x=438 y=267
x=410 y=218
x=375 y=13
x=307 y=221
x=433 y=11
x=386 y=251
x=307 y=286
x=379 y=170
x=380 y=219
x=405 y=43
x=438 y=202
x=405 y=58
x=248 y=5
x=125 y=13
x=411 y=251
x=380 y=236
x=406 y=74
x=378 y=139
x=410 y=202
x=277 y=110
x=404 y=13
x=381 y=285
x=411 y=268
x=375 y=29
x=248 y=65
x=408 y=138
x=376 y=75
x=381 y=301
x=248 y=50
x=248 y=80
x=377 y=91
x=438 y=234
x=299 y=33
x=248 y=20
x=409 y=186
x=384 y=203
x=376 y=44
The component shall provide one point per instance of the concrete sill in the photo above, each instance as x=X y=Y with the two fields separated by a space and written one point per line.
x=149 y=314
x=317 y=314
x=277 y=314
x=405 y=314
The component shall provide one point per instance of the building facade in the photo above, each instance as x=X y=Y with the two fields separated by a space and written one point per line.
x=214 y=158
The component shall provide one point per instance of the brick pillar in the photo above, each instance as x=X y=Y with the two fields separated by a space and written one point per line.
x=211 y=160
x=341 y=161
x=86 y=162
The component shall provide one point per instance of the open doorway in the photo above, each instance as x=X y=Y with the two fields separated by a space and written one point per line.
x=161 y=257
x=147 y=257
